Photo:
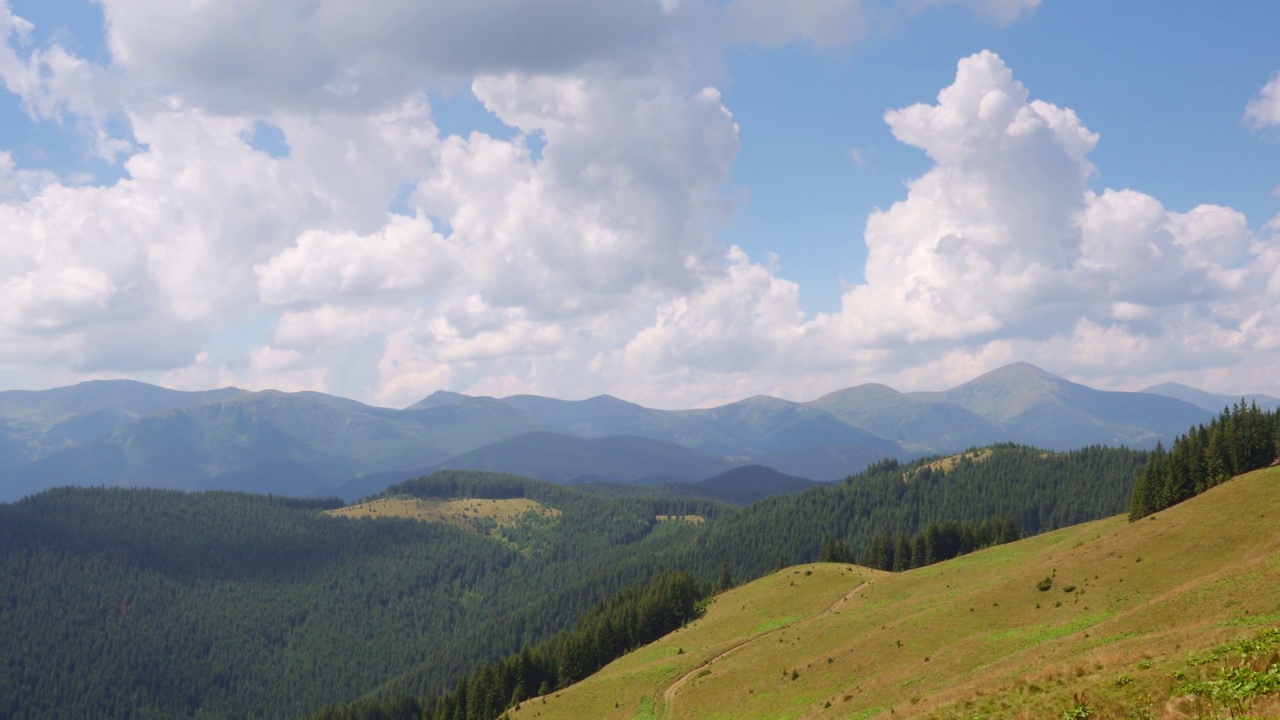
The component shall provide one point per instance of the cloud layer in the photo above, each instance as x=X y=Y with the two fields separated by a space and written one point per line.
x=384 y=259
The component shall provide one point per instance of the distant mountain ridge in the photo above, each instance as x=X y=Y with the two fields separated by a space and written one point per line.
x=1038 y=408
x=1212 y=402
x=129 y=433
x=564 y=459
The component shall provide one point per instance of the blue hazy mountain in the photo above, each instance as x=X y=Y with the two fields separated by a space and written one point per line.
x=131 y=433
x=1212 y=402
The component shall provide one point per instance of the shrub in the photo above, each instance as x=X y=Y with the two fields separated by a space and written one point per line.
x=1044 y=584
x=1080 y=711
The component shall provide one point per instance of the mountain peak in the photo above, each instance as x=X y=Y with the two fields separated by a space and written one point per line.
x=1018 y=371
x=864 y=391
x=439 y=398
x=1008 y=392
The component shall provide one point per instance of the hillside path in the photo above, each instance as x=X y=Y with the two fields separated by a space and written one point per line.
x=669 y=695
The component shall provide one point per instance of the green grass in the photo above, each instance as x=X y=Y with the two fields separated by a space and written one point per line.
x=774 y=624
x=965 y=638
x=645 y=711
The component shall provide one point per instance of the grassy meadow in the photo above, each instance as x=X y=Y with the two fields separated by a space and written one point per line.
x=520 y=523
x=947 y=464
x=464 y=513
x=1109 y=619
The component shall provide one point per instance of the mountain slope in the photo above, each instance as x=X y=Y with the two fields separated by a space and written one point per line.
x=749 y=483
x=1211 y=402
x=38 y=423
x=767 y=425
x=562 y=459
x=915 y=422
x=828 y=463
x=265 y=442
x=1124 y=606
x=128 y=396
x=1036 y=407
x=122 y=432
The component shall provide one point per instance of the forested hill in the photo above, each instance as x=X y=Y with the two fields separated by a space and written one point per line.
x=1039 y=490
x=1042 y=491
x=162 y=604
x=149 y=603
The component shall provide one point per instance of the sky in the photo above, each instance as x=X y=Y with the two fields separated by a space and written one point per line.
x=677 y=202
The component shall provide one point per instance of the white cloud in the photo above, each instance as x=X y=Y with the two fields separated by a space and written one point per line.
x=1001 y=11
x=16 y=183
x=406 y=256
x=547 y=260
x=986 y=236
x=172 y=247
x=1264 y=109
x=824 y=23
x=1001 y=252
x=55 y=85
x=289 y=54
x=579 y=255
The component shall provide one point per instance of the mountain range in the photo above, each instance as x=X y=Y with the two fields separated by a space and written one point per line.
x=121 y=432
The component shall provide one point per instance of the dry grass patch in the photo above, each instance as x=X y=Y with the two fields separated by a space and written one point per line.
x=519 y=523
x=460 y=512
x=690 y=519
x=948 y=464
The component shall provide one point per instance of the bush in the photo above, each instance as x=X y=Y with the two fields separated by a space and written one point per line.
x=1045 y=584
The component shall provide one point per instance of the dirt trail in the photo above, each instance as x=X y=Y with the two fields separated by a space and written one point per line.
x=669 y=695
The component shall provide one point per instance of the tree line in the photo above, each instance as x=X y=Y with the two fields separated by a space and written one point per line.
x=634 y=617
x=1242 y=438
x=1040 y=490
x=936 y=543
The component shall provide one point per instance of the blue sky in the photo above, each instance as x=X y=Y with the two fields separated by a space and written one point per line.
x=676 y=203
x=1164 y=83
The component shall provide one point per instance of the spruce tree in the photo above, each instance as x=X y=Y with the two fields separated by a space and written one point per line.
x=726 y=580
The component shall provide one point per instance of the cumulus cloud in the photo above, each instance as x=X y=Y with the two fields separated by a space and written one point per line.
x=16 y=183
x=1001 y=251
x=53 y=84
x=1264 y=109
x=172 y=247
x=824 y=23
x=545 y=262
x=291 y=54
x=406 y=256
x=253 y=55
x=578 y=252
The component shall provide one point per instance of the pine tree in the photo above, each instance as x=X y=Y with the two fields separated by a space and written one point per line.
x=901 y=553
x=726 y=580
x=1217 y=465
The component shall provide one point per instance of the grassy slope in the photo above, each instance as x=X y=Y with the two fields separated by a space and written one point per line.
x=462 y=512
x=520 y=523
x=973 y=637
